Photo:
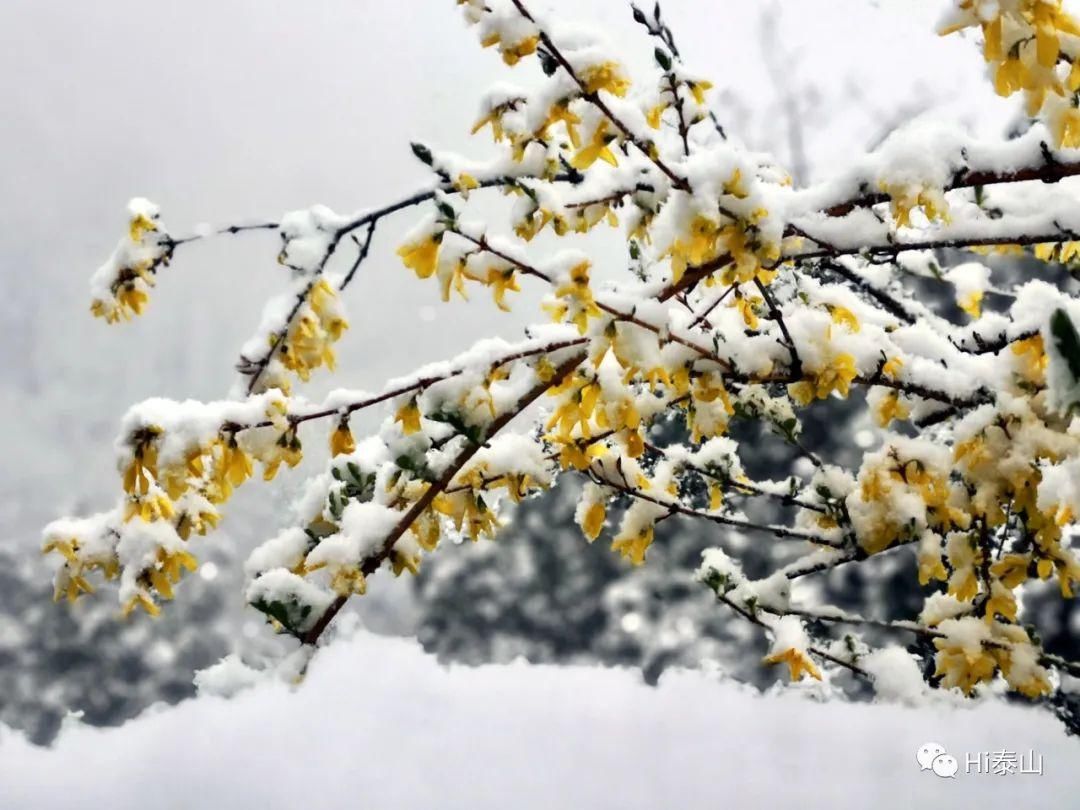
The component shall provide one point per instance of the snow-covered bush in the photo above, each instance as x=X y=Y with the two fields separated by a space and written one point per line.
x=746 y=299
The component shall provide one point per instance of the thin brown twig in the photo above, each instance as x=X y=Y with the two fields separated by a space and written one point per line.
x=774 y=310
x=704 y=316
x=1071 y=667
x=416 y=386
x=647 y=148
x=970 y=178
x=740 y=487
x=713 y=517
x=820 y=653
x=372 y=562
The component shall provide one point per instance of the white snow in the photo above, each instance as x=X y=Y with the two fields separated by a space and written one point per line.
x=378 y=724
x=228 y=677
x=896 y=675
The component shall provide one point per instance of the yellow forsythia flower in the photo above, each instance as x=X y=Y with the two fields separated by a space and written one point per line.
x=798 y=662
x=342 y=441
x=408 y=416
x=597 y=149
x=422 y=257
x=593 y=521
x=607 y=76
x=633 y=547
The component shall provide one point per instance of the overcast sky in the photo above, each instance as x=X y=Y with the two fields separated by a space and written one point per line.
x=236 y=110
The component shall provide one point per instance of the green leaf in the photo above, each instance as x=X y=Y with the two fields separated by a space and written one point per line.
x=290 y=614
x=662 y=58
x=471 y=432
x=752 y=606
x=354 y=471
x=418 y=467
x=319 y=529
x=422 y=153
x=1066 y=340
x=548 y=63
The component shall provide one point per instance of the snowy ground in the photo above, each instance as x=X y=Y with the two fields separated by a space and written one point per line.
x=379 y=724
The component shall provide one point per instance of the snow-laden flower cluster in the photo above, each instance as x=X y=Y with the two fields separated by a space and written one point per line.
x=121 y=286
x=1031 y=47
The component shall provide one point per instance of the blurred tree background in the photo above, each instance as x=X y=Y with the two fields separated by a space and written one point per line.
x=56 y=658
x=543 y=593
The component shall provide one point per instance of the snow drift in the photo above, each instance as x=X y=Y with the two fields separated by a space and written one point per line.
x=377 y=723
